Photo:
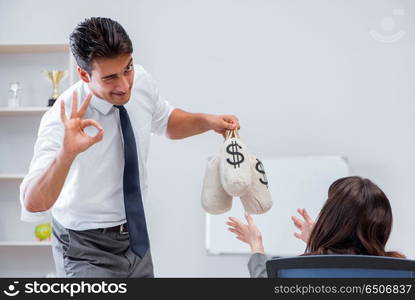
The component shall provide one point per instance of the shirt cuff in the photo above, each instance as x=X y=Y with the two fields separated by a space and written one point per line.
x=171 y=108
x=257 y=265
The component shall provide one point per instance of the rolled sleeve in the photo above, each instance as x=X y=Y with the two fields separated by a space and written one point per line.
x=161 y=111
x=46 y=147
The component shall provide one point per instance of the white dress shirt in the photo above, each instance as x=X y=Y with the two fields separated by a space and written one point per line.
x=92 y=196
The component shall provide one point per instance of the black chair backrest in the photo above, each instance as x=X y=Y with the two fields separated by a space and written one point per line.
x=341 y=266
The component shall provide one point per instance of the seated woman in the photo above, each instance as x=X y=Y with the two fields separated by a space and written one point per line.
x=355 y=219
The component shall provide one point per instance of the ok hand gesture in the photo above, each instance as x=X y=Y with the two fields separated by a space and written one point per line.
x=75 y=139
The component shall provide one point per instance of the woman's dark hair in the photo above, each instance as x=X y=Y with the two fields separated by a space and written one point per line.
x=356 y=219
x=98 y=37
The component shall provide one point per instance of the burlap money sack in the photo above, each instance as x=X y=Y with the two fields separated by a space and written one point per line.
x=214 y=198
x=257 y=199
x=234 y=167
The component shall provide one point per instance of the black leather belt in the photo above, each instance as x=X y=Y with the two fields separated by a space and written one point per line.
x=123 y=229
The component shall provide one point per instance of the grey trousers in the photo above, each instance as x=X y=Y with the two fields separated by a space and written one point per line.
x=94 y=253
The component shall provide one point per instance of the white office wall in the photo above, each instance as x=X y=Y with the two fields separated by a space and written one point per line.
x=304 y=77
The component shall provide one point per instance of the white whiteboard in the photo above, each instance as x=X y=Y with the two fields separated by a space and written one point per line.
x=294 y=182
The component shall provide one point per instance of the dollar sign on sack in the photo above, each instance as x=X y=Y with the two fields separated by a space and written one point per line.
x=237 y=157
x=260 y=168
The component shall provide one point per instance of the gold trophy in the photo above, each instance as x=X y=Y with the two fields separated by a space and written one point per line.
x=55 y=76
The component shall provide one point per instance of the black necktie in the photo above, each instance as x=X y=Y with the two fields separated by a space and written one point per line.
x=133 y=202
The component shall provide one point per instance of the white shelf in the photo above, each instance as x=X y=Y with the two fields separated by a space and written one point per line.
x=41 y=48
x=18 y=111
x=27 y=244
x=12 y=176
x=33 y=48
x=24 y=62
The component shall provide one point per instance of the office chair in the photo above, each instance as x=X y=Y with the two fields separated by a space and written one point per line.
x=340 y=266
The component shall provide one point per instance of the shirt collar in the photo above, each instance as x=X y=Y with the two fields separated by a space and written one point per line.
x=103 y=106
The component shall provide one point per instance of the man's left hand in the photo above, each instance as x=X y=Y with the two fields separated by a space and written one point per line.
x=222 y=123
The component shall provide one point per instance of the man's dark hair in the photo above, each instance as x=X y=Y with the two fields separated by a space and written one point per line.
x=98 y=37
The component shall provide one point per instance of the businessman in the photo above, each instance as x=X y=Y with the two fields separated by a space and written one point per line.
x=89 y=163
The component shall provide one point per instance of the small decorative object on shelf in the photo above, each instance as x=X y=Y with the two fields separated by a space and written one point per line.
x=55 y=76
x=14 y=98
x=43 y=231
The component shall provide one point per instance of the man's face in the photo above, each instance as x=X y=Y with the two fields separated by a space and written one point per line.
x=112 y=78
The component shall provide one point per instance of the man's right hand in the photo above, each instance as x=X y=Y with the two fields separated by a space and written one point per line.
x=75 y=139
